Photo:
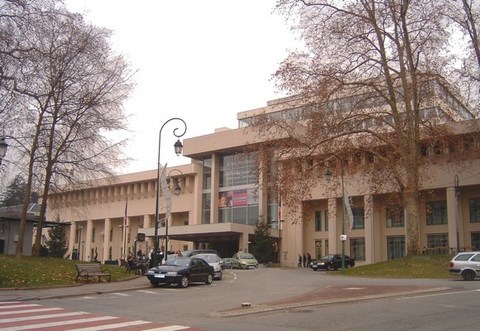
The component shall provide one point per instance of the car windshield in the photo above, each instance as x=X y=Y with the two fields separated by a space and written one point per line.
x=246 y=256
x=178 y=262
x=209 y=258
x=327 y=257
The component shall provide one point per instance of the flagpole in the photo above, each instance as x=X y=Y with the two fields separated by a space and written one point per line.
x=124 y=232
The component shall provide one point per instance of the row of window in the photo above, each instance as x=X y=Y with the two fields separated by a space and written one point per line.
x=436 y=243
x=436 y=215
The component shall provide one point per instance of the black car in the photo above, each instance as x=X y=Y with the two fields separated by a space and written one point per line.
x=182 y=271
x=331 y=262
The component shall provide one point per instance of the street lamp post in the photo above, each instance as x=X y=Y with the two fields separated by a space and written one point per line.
x=178 y=146
x=3 y=148
x=457 y=195
x=328 y=176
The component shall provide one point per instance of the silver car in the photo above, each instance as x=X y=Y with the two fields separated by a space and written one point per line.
x=215 y=262
x=466 y=264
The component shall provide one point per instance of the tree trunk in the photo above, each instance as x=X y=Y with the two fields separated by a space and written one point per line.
x=411 y=222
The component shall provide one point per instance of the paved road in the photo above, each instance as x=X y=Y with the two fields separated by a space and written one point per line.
x=242 y=293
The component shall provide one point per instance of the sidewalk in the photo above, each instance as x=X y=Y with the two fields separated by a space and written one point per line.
x=93 y=288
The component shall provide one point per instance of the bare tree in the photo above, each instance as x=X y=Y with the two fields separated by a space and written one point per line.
x=366 y=79
x=465 y=15
x=75 y=87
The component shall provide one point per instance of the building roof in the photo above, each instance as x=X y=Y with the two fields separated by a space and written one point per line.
x=14 y=213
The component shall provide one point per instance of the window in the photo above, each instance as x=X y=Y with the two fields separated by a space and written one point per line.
x=237 y=169
x=395 y=217
x=78 y=234
x=207 y=174
x=474 y=210
x=206 y=208
x=436 y=212
x=437 y=240
x=326 y=220
x=358 y=218
x=318 y=249
x=318 y=220
x=395 y=247
x=238 y=206
x=357 y=248
x=475 y=240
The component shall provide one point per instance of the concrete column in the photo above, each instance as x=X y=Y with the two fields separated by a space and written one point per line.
x=106 y=239
x=262 y=195
x=88 y=241
x=146 y=225
x=369 y=229
x=71 y=240
x=195 y=214
x=292 y=238
x=333 y=226
x=243 y=242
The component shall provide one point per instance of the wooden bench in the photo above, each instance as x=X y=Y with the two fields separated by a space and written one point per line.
x=91 y=270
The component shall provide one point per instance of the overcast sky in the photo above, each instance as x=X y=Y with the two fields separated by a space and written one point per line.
x=202 y=61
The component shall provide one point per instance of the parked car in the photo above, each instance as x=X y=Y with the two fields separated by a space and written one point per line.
x=215 y=262
x=466 y=264
x=227 y=263
x=242 y=260
x=200 y=251
x=331 y=262
x=182 y=271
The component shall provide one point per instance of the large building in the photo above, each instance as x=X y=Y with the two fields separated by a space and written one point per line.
x=217 y=199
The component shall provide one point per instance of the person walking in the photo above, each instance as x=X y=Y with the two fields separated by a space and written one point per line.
x=309 y=259
x=299 y=260
x=304 y=260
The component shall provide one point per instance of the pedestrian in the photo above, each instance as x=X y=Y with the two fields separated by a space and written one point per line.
x=299 y=261
x=150 y=258
x=309 y=259
x=304 y=260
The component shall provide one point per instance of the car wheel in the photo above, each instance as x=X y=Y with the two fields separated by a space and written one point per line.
x=329 y=267
x=184 y=282
x=468 y=275
x=209 y=279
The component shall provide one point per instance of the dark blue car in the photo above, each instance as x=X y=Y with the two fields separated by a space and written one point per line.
x=181 y=271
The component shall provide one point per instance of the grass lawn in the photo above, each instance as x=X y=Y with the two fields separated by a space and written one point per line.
x=38 y=272
x=421 y=266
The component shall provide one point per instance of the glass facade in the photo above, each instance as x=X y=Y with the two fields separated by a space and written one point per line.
x=238 y=206
x=236 y=170
x=237 y=191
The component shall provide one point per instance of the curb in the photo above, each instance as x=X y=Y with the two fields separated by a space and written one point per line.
x=256 y=309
